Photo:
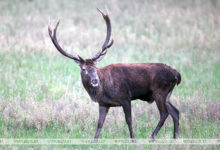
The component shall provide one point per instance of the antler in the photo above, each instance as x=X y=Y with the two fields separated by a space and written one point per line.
x=56 y=44
x=106 y=44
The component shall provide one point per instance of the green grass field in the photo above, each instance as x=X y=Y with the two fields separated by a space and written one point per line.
x=41 y=95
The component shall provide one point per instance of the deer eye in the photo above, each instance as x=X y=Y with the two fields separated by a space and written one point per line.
x=83 y=69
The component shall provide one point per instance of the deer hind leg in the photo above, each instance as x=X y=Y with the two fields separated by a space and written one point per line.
x=160 y=101
x=174 y=114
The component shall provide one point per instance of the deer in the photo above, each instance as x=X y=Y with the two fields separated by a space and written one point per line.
x=119 y=84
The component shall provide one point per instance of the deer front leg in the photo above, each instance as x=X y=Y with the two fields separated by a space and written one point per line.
x=102 y=114
x=127 y=110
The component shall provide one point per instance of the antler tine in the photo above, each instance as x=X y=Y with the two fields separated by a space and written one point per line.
x=56 y=44
x=106 y=44
x=101 y=12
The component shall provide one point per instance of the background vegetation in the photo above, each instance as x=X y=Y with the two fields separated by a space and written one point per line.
x=41 y=95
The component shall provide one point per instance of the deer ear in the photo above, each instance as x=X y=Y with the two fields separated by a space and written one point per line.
x=99 y=59
x=78 y=62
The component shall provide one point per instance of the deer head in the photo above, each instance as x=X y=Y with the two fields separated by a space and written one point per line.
x=88 y=66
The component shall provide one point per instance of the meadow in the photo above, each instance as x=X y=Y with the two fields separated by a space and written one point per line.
x=41 y=95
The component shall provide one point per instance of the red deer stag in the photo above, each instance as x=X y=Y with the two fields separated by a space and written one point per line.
x=119 y=84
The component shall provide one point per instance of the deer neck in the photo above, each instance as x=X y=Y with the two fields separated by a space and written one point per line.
x=94 y=92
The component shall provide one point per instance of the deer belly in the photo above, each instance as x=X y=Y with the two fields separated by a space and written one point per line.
x=144 y=95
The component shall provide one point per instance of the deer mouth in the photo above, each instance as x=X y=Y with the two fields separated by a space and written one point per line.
x=95 y=85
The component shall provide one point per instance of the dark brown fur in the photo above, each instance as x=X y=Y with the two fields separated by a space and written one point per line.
x=132 y=81
x=122 y=83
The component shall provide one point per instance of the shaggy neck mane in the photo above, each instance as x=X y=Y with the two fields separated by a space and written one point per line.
x=94 y=92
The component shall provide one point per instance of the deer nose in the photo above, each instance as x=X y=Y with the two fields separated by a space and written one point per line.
x=94 y=81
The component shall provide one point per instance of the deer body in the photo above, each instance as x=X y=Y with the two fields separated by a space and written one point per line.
x=119 y=84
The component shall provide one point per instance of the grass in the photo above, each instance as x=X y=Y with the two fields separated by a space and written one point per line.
x=41 y=91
